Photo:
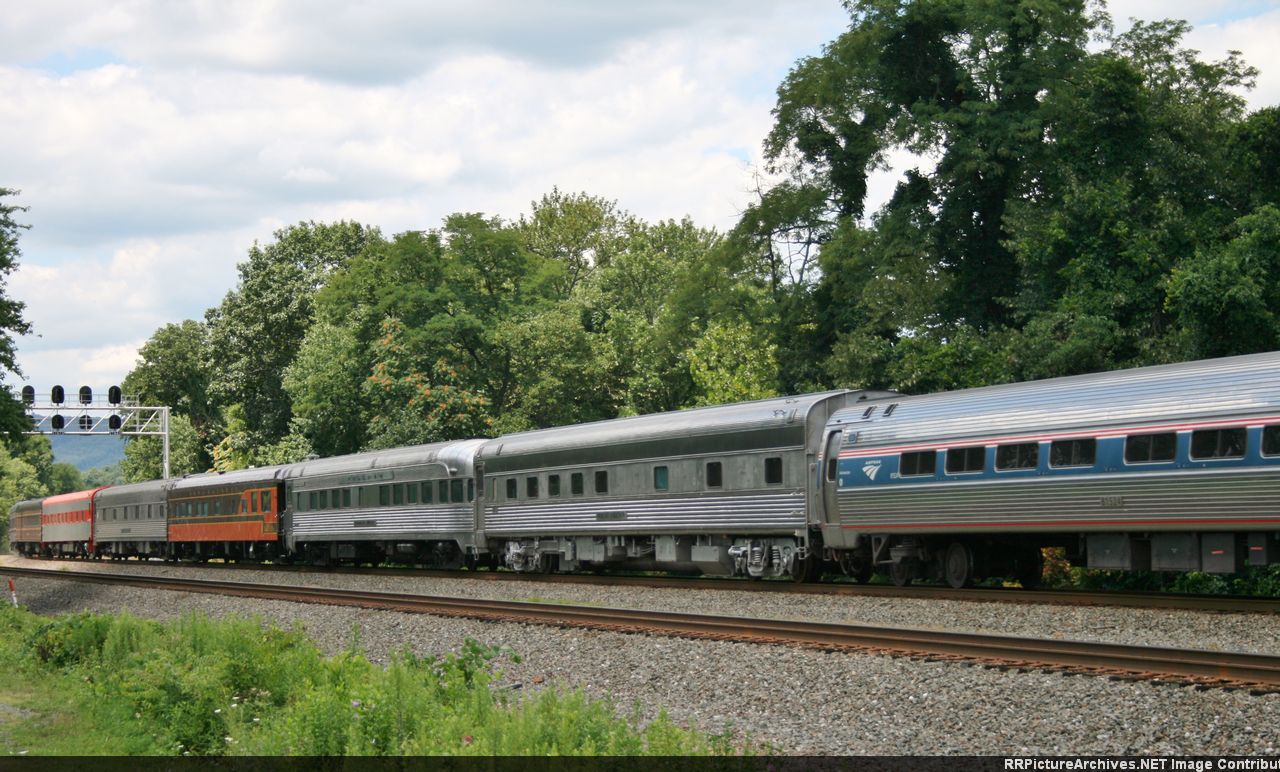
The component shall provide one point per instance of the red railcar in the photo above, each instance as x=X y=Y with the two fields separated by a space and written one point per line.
x=66 y=524
x=227 y=514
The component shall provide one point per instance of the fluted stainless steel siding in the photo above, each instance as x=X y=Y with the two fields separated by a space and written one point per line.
x=400 y=522
x=744 y=512
x=1166 y=501
x=108 y=531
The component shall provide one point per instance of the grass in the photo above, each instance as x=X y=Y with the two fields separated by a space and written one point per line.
x=120 y=685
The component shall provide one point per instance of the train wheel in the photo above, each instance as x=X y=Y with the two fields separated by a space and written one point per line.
x=902 y=573
x=807 y=569
x=957 y=566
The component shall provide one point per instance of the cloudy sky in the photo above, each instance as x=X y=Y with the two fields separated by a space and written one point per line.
x=154 y=141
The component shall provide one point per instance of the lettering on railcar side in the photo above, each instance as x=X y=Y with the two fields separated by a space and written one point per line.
x=610 y=516
x=365 y=524
x=1112 y=502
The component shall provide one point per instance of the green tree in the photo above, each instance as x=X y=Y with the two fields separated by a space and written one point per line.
x=66 y=479
x=413 y=406
x=323 y=383
x=578 y=232
x=730 y=364
x=175 y=369
x=254 y=334
x=13 y=420
x=144 y=456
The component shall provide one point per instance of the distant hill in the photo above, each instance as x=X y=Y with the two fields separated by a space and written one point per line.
x=87 y=452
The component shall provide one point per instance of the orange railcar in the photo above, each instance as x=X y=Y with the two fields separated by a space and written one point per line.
x=227 y=514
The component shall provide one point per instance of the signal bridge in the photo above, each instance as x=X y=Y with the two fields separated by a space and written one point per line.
x=116 y=415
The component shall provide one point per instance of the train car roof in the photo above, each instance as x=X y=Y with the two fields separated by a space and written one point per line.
x=456 y=455
x=261 y=474
x=1202 y=390
x=63 y=498
x=133 y=492
x=26 y=505
x=764 y=423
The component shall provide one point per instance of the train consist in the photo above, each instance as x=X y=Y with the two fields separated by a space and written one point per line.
x=1169 y=468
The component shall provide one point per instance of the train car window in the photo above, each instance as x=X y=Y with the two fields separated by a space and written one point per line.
x=204 y=508
x=1218 y=443
x=471 y=489
x=832 y=455
x=888 y=411
x=299 y=498
x=266 y=501
x=966 y=460
x=773 y=470
x=531 y=487
x=442 y=488
x=661 y=478
x=324 y=499
x=553 y=485
x=346 y=498
x=335 y=499
x=511 y=487
x=1023 y=455
x=384 y=495
x=575 y=483
x=918 y=463
x=602 y=481
x=411 y=494
x=1271 y=440
x=1148 y=448
x=397 y=495
x=253 y=500
x=426 y=493
x=455 y=491
x=867 y=413
x=1064 y=453
x=244 y=505
x=715 y=474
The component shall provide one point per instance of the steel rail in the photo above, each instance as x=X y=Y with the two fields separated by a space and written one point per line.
x=1218 y=604
x=1257 y=672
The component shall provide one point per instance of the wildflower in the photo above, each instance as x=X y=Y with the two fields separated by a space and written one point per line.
x=355 y=703
x=257 y=720
x=467 y=739
x=217 y=710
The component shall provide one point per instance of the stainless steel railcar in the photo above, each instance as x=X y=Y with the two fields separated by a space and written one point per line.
x=131 y=520
x=718 y=489
x=413 y=504
x=1170 y=468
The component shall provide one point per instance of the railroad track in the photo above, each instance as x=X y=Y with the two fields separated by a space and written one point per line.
x=1256 y=672
x=1150 y=600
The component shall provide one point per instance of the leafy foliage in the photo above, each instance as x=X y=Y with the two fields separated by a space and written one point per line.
x=13 y=421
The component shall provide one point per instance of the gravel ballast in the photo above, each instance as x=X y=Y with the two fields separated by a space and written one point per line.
x=799 y=701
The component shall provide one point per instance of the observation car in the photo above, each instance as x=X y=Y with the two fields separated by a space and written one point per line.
x=226 y=514
x=720 y=490
x=412 y=504
x=130 y=520
x=1167 y=468
x=24 y=527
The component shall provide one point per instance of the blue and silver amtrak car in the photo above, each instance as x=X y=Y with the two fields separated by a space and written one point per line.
x=1169 y=468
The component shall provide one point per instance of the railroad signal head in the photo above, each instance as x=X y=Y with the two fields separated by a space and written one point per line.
x=113 y=395
x=28 y=395
x=58 y=395
x=113 y=422
x=86 y=395
x=86 y=423
x=57 y=422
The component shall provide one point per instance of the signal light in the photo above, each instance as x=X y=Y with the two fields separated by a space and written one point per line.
x=57 y=422
x=86 y=395
x=86 y=423
x=113 y=395
x=58 y=395
x=28 y=395
x=113 y=422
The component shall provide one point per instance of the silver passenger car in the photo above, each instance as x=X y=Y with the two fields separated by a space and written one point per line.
x=718 y=489
x=1175 y=468
x=131 y=520
x=414 y=504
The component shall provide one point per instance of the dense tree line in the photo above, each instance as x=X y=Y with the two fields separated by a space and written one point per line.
x=1071 y=200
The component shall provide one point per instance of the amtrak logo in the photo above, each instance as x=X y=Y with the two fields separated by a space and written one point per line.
x=870 y=470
